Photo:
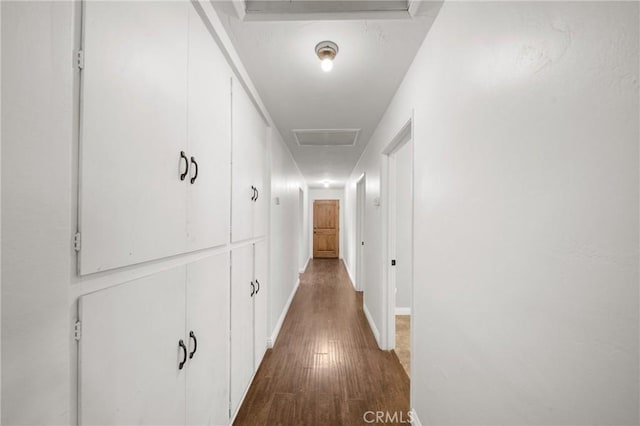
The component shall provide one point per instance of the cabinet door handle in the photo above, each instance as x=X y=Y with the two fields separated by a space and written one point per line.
x=253 y=289
x=258 y=283
x=257 y=194
x=253 y=189
x=193 y=161
x=192 y=335
x=186 y=165
x=184 y=354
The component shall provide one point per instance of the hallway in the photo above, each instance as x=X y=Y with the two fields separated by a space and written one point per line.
x=325 y=368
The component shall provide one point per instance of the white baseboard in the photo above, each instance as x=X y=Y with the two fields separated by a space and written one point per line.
x=415 y=420
x=272 y=340
x=372 y=325
x=403 y=311
x=353 y=282
x=305 y=266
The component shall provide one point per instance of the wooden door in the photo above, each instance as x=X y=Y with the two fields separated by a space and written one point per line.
x=208 y=319
x=134 y=126
x=326 y=229
x=209 y=135
x=242 y=350
x=130 y=355
x=260 y=302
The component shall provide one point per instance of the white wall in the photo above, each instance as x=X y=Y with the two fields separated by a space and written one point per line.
x=37 y=141
x=526 y=213
x=404 y=206
x=325 y=194
x=285 y=240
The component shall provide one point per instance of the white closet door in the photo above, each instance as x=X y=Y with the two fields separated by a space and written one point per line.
x=209 y=135
x=260 y=302
x=208 y=319
x=260 y=179
x=245 y=120
x=134 y=121
x=129 y=353
x=242 y=366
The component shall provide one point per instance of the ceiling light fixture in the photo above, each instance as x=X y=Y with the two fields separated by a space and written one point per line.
x=326 y=51
x=326 y=183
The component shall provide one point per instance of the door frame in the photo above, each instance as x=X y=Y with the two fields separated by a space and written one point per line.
x=388 y=183
x=361 y=197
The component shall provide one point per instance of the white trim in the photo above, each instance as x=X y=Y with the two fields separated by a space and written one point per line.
x=403 y=311
x=306 y=265
x=274 y=335
x=372 y=325
x=415 y=420
x=353 y=282
x=387 y=181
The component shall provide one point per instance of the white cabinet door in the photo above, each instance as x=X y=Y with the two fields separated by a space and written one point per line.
x=208 y=320
x=245 y=146
x=261 y=182
x=242 y=289
x=260 y=302
x=133 y=127
x=129 y=353
x=209 y=135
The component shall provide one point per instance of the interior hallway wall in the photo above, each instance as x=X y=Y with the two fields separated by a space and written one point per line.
x=526 y=213
x=284 y=237
x=37 y=253
x=325 y=194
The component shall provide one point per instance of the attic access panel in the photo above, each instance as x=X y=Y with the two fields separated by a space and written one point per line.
x=326 y=137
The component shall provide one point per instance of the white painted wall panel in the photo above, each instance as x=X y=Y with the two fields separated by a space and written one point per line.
x=284 y=238
x=526 y=213
x=37 y=141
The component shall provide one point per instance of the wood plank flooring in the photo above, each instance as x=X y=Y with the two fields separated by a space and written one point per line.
x=325 y=368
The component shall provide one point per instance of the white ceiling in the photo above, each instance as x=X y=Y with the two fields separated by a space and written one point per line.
x=373 y=57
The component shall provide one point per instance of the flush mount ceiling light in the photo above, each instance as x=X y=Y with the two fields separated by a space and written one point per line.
x=326 y=51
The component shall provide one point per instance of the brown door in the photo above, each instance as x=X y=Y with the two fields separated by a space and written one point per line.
x=326 y=229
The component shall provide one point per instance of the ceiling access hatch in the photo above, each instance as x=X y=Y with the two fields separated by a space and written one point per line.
x=325 y=6
x=326 y=137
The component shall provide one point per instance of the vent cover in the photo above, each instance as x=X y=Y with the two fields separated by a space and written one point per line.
x=326 y=137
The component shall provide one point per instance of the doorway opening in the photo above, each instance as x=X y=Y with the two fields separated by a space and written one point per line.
x=399 y=188
x=361 y=188
x=303 y=254
x=326 y=229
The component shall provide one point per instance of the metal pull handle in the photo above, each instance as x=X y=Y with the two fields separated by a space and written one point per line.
x=253 y=190
x=258 y=282
x=183 y=156
x=253 y=289
x=195 y=344
x=184 y=354
x=193 y=161
x=257 y=194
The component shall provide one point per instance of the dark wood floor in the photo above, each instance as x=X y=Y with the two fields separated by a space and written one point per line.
x=325 y=368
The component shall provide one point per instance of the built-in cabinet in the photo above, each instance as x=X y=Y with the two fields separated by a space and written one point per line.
x=155 y=135
x=149 y=350
x=248 y=316
x=249 y=195
x=172 y=169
